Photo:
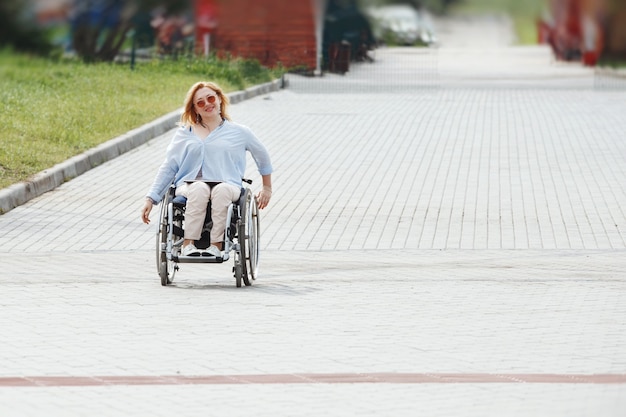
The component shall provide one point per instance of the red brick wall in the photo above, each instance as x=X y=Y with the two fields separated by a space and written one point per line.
x=272 y=31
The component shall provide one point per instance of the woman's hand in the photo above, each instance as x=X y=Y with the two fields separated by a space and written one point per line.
x=263 y=197
x=145 y=211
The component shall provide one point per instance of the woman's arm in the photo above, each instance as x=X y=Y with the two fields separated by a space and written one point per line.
x=265 y=194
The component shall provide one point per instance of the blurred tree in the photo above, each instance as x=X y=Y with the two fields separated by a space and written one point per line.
x=19 y=29
x=100 y=27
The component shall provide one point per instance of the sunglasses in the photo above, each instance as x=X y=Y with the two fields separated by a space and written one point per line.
x=202 y=102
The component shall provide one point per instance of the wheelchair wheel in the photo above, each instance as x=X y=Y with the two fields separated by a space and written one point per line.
x=165 y=267
x=249 y=238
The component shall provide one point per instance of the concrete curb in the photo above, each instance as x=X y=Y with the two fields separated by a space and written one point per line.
x=47 y=180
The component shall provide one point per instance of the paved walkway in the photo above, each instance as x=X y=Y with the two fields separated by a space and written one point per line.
x=447 y=237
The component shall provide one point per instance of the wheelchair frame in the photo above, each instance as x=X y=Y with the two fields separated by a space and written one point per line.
x=241 y=237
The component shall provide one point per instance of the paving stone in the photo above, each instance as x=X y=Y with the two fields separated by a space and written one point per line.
x=433 y=214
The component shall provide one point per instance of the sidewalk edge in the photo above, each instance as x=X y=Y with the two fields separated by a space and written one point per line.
x=47 y=180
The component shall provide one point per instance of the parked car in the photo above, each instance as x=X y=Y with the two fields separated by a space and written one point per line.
x=400 y=25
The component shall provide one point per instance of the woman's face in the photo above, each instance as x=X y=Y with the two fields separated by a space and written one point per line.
x=206 y=102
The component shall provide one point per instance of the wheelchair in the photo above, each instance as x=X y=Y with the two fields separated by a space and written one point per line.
x=240 y=237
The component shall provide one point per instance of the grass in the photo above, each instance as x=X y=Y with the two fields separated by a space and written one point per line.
x=523 y=12
x=612 y=62
x=55 y=109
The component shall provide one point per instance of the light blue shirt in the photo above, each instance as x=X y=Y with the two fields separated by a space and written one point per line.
x=221 y=156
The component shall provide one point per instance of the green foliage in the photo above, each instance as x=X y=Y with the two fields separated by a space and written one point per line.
x=612 y=62
x=391 y=39
x=53 y=110
x=19 y=31
x=237 y=73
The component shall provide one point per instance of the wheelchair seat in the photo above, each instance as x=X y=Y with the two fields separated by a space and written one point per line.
x=179 y=201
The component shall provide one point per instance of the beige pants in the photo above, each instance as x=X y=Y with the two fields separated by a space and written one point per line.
x=198 y=194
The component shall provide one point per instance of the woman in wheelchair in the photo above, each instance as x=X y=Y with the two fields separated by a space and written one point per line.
x=206 y=161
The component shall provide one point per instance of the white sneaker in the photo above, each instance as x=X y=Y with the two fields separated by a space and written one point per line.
x=190 y=250
x=212 y=251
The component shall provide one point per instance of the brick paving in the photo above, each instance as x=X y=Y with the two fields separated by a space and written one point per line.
x=446 y=237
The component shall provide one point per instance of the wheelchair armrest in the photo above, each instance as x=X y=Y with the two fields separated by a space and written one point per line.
x=178 y=200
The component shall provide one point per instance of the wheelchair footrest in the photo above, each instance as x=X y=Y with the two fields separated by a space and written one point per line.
x=198 y=259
